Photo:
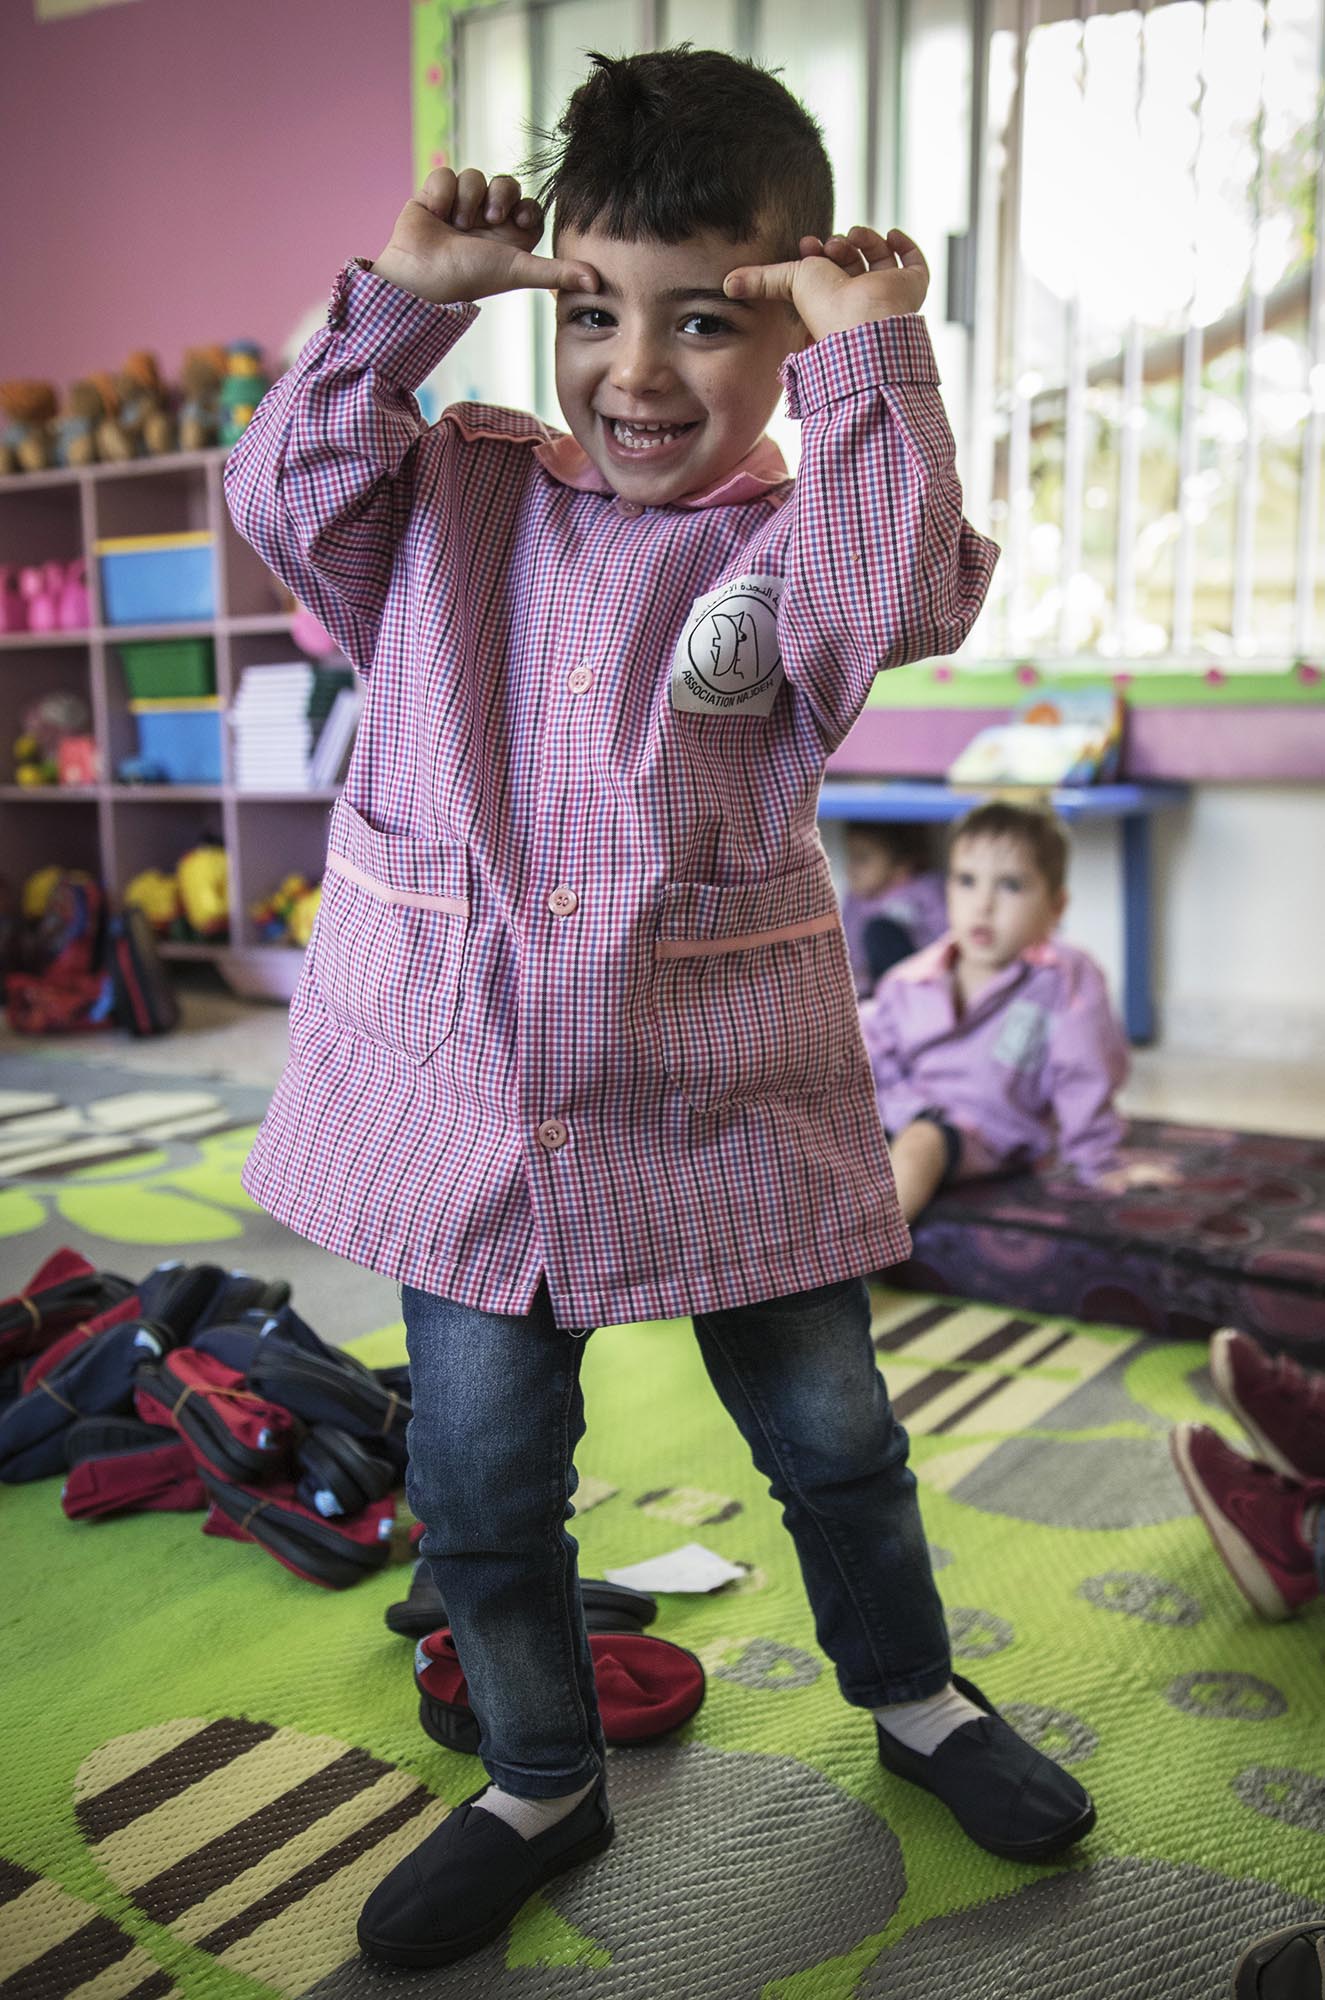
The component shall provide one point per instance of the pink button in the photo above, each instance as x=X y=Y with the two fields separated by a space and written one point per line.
x=579 y=679
x=630 y=508
x=552 y=1133
x=563 y=902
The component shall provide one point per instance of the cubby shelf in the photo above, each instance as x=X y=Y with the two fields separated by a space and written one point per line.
x=112 y=829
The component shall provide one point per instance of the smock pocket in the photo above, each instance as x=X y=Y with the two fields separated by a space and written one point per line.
x=752 y=992
x=389 y=944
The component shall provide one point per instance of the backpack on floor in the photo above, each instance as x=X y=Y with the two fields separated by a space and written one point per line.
x=145 y=1000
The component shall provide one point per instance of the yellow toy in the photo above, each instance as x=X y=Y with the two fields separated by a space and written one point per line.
x=275 y=918
x=300 y=921
x=204 y=890
x=31 y=765
x=37 y=893
x=157 y=895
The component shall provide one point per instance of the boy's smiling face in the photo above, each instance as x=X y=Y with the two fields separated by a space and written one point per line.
x=658 y=345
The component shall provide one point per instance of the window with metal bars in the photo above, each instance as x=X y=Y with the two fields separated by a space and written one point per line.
x=1148 y=346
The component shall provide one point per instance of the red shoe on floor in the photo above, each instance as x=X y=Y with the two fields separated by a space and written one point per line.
x=1280 y=1405
x=1255 y=1519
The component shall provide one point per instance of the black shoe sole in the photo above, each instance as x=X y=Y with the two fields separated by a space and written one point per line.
x=472 y=1941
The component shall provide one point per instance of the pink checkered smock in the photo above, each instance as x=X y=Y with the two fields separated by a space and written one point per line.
x=577 y=1003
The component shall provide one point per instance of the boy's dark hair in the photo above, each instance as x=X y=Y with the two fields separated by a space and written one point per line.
x=669 y=143
x=907 y=841
x=1035 y=828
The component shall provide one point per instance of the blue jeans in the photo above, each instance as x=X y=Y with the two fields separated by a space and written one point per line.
x=497 y=1416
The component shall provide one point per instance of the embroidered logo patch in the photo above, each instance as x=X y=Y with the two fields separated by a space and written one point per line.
x=728 y=661
x=1022 y=1037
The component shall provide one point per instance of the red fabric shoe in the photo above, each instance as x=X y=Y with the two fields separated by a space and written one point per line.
x=1255 y=1519
x=1280 y=1405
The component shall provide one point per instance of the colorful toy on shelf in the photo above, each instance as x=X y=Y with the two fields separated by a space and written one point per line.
x=76 y=427
x=243 y=389
x=13 y=606
x=44 y=725
x=156 y=894
x=204 y=889
x=303 y=915
x=44 y=597
x=286 y=916
x=142 y=423
x=30 y=766
x=200 y=390
x=79 y=760
x=26 y=439
x=75 y=608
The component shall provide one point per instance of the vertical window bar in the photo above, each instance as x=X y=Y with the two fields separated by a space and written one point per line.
x=1309 y=505
x=1244 y=557
x=1074 y=413
x=1184 y=562
x=1019 y=389
x=1129 y=452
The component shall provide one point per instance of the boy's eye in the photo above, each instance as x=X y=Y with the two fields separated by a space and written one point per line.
x=584 y=315
x=1012 y=883
x=706 y=325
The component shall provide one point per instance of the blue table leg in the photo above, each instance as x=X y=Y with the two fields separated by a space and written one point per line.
x=1138 y=993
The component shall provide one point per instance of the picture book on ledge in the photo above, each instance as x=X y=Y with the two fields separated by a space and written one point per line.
x=1057 y=736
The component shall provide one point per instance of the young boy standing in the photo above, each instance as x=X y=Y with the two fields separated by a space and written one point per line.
x=577 y=1040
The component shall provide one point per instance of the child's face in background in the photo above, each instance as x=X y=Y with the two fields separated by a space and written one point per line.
x=870 y=865
x=659 y=344
x=998 y=901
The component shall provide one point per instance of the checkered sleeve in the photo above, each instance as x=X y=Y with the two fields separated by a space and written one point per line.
x=319 y=483
x=883 y=568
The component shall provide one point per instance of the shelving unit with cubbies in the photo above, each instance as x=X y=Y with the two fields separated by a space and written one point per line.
x=111 y=829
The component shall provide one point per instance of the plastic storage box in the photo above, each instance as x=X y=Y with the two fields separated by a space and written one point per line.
x=156 y=579
x=183 y=737
x=168 y=669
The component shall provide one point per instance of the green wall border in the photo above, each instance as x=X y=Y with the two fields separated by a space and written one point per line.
x=960 y=685
x=432 y=94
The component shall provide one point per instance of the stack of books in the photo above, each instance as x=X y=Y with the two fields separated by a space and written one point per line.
x=273 y=739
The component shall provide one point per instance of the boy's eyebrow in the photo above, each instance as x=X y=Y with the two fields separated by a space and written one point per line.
x=678 y=295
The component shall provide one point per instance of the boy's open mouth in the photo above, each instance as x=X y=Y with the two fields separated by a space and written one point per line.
x=635 y=442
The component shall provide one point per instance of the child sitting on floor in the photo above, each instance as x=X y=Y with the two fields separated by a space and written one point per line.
x=997 y=1045
x=895 y=902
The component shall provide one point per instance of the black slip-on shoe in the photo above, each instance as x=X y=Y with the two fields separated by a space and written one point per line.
x=1006 y=1795
x=1285 y=1965
x=462 y=1885
x=608 y=1607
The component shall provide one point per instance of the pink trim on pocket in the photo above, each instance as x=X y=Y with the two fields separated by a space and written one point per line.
x=413 y=899
x=706 y=947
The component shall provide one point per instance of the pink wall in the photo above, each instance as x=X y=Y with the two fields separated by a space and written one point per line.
x=174 y=172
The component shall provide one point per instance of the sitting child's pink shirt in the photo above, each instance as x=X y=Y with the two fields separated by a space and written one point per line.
x=1030 y=1068
x=920 y=906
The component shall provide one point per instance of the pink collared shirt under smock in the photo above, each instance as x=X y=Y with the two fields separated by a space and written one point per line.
x=577 y=1003
x=1031 y=1068
x=919 y=906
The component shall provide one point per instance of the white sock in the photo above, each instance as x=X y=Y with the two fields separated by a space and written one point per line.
x=922 y=1725
x=530 y=1816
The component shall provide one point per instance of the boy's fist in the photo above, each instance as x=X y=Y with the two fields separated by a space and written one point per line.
x=464 y=237
x=844 y=282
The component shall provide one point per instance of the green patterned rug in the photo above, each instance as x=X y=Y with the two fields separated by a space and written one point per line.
x=205 y=1764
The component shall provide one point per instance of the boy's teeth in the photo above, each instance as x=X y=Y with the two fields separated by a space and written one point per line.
x=644 y=437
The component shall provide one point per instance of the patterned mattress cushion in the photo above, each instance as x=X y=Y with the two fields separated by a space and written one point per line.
x=1234 y=1234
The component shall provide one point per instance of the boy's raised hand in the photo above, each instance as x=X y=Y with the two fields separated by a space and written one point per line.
x=844 y=282
x=464 y=237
